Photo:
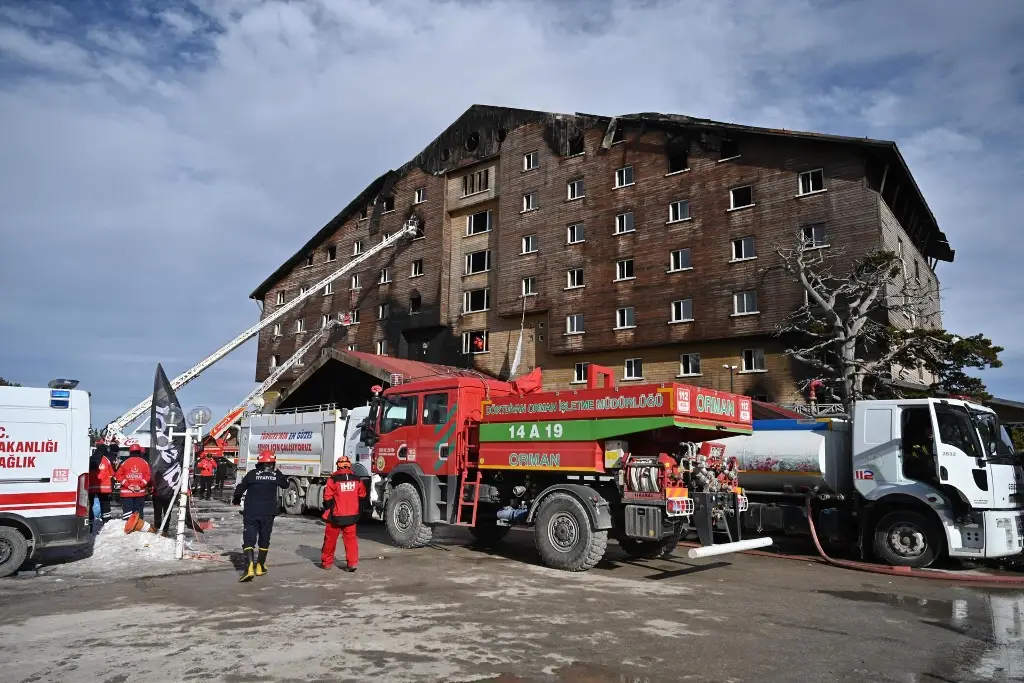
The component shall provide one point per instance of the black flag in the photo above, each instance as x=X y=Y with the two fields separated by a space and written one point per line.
x=167 y=454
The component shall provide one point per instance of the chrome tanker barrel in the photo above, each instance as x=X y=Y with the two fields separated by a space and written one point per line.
x=793 y=456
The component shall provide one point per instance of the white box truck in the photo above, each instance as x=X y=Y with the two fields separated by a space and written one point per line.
x=44 y=471
x=307 y=442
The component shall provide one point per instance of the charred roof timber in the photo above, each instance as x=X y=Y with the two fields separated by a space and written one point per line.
x=479 y=133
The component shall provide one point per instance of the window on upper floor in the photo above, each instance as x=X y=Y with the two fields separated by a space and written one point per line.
x=280 y=297
x=419 y=195
x=332 y=253
x=624 y=223
x=303 y=289
x=678 y=153
x=385 y=276
x=529 y=286
x=531 y=160
x=475 y=342
x=417 y=268
x=353 y=316
x=383 y=310
x=575 y=189
x=382 y=347
x=574 y=233
x=574 y=278
x=530 y=201
x=682 y=311
x=814 y=236
x=753 y=361
x=329 y=289
x=574 y=324
x=357 y=247
x=679 y=260
x=624 y=269
x=476 y=182
x=811 y=181
x=478 y=223
x=740 y=197
x=678 y=211
x=353 y=347
x=579 y=373
x=387 y=204
x=743 y=249
x=476 y=300
x=576 y=145
x=415 y=304
x=624 y=176
x=300 y=325
x=478 y=262
x=625 y=318
x=277 y=329
x=730 y=149
x=275 y=360
x=619 y=134
x=744 y=303
x=325 y=320
x=633 y=369
x=689 y=364
x=309 y=259
x=529 y=245
x=356 y=282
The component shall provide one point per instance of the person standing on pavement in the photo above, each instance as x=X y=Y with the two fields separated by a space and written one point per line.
x=206 y=467
x=101 y=480
x=133 y=475
x=341 y=512
x=222 y=473
x=260 y=487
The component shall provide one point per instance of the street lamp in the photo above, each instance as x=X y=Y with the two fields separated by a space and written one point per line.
x=195 y=419
x=731 y=369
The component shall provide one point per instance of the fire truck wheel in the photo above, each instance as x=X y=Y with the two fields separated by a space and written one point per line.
x=292 y=499
x=564 y=537
x=905 y=538
x=648 y=550
x=13 y=550
x=488 y=532
x=403 y=516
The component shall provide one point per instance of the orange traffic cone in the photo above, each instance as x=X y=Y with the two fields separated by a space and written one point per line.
x=137 y=523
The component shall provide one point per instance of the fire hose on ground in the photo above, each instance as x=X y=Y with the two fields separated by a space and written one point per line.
x=934 y=574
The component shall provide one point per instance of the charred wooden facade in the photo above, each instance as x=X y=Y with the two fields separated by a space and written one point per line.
x=644 y=242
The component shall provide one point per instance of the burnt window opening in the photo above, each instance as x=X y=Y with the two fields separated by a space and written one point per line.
x=364 y=212
x=478 y=181
x=388 y=204
x=678 y=152
x=472 y=141
x=478 y=262
x=729 y=149
x=309 y=259
x=619 y=135
x=502 y=134
x=446 y=154
x=332 y=253
x=415 y=304
x=419 y=231
x=576 y=145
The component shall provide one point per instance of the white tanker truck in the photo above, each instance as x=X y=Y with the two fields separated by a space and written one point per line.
x=964 y=498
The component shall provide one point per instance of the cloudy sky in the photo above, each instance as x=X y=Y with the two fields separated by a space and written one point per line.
x=159 y=158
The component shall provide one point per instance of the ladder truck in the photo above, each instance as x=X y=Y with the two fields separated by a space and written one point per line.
x=114 y=431
x=575 y=466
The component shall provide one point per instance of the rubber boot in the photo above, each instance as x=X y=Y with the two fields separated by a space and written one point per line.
x=249 y=568
x=261 y=562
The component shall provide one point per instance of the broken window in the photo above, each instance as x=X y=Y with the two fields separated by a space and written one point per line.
x=303 y=289
x=363 y=213
x=624 y=269
x=356 y=282
x=309 y=259
x=357 y=248
x=280 y=298
x=624 y=223
x=814 y=236
x=620 y=134
x=478 y=262
x=474 y=342
x=574 y=278
x=678 y=211
x=729 y=149
x=678 y=152
x=332 y=253
x=679 y=260
x=478 y=223
x=415 y=304
x=382 y=347
x=476 y=300
x=478 y=181
x=682 y=311
x=388 y=204
x=741 y=196
x=625 y=318
x=417 y=268
x=277 y=329
x=743 y=249
x=472 y=141
x=811 y=181
x=576 y=145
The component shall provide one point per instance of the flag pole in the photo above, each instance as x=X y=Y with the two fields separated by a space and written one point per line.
x=186 y=488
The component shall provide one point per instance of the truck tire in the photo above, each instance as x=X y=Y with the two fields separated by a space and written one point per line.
x=403 y=517
x=563 y=535
x=648 y=550
x=487 y=532
x=905 y=538
x=292 y=499
x=13 y=550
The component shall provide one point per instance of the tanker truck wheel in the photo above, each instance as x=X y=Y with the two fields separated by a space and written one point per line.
x=906 y=538
x=403 y=517
x=563 y=535
x=292 y=500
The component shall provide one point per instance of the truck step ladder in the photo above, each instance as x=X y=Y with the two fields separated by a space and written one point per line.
x=468 y=460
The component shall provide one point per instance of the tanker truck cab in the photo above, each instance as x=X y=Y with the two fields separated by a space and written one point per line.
x=931 y=486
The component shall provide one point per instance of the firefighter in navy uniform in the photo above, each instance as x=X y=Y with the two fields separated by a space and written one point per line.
x=260 y=486
x=341 y=512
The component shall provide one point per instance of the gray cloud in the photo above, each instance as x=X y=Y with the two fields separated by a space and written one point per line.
x=205 y=141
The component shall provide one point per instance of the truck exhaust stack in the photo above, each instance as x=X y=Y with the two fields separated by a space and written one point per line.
x=726 y=548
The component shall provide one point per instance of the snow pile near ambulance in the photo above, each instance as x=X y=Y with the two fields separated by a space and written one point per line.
x=138 y=554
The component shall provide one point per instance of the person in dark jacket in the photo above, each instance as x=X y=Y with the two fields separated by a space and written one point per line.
x=341 y=512
x=261 y=486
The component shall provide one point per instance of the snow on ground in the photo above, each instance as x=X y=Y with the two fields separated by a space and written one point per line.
x=116 y=553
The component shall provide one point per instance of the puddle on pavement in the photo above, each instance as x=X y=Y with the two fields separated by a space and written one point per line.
x=994 y=620
x=579 y=672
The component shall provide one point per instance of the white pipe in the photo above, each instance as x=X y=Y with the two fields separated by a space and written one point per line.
x=186 y=481
x=726 y=548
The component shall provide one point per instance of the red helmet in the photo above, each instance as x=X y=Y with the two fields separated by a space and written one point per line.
x=267 y=456
x=343 y=462
x=136 y=448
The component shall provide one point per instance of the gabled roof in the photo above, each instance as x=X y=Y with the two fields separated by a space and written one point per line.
x=452 y=149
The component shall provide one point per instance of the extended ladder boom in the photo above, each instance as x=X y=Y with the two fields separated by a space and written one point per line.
x=229 y=419
x=114 y=428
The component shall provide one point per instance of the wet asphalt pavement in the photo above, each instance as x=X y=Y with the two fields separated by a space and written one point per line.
x=453 y=612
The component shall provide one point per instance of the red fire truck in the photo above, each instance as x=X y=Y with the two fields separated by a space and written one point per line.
x=576 y=466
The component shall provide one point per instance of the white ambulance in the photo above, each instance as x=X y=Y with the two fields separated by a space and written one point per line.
x=44 y=471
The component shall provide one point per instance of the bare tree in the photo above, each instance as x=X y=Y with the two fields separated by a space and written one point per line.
x=859 y=328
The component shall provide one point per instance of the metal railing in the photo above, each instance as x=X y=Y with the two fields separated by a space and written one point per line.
x=818 y=410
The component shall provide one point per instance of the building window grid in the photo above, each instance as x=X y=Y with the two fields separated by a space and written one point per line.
x=529 y=201
x=633 y=369
x=741 y=197
x=625 y=318
x=575 y=189
x=574 y=234
x=579 y=373
x=811 y=182
x=529 y=286
x=679 y=260
x=682 y=311
x=679 y=211
x=689 y=365
x=624 y=177
x=743 y=249
x=753 y=360
x=624 y=223
x=529 y=244
x=624 y=270
x=574 y=278
x=574 y=324
x=531 y=160
x=476 y=182
x=745 y=303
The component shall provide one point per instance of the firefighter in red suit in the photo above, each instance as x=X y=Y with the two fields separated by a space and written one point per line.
x=207 y=467
x=341 y=512
x=134 y=476
x=101 y=479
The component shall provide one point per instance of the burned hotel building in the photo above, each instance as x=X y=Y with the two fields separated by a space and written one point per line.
x=645 y=243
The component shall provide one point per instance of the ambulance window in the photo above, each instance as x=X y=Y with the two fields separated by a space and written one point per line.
x=399 y=411
x=435 y=409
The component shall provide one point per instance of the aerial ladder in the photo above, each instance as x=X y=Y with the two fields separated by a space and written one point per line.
x=115 y=429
